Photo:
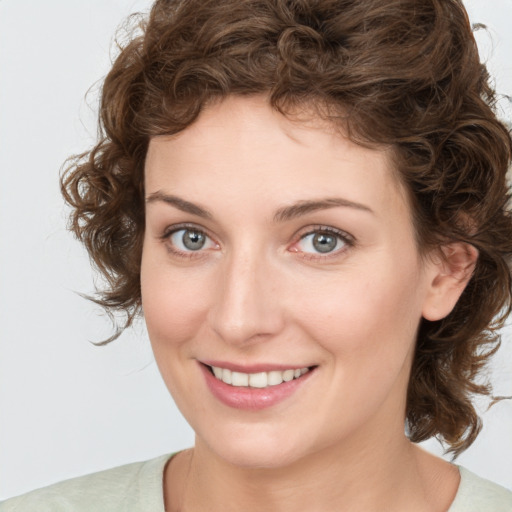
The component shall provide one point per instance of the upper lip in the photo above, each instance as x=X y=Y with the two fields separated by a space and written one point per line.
x=254 y=368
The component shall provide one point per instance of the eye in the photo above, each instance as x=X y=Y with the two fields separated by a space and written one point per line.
x=323 y=241
x=190 y=240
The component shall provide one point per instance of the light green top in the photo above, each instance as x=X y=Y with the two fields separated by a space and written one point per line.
x=138 y=487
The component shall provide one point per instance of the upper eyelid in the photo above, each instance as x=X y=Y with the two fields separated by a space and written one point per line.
x=299 y=235
x=348 y=241
x=169 y=230
x=326 y=229
x=174 y=228
x=301 y=232
x=166 y=238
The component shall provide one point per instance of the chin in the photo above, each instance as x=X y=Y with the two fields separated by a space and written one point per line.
x=259 y=459
x=255 y=451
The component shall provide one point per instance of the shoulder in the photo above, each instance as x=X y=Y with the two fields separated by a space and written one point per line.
x=476 y=494
x=131 y=487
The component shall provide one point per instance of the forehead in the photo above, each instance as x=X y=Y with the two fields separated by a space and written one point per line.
x=244 y=146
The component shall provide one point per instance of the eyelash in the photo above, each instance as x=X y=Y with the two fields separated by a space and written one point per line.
x=347 y=239
x=171 y=230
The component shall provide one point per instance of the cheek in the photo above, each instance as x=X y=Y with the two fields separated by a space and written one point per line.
x=368 y=334
x=174 y=304
x=366 y=317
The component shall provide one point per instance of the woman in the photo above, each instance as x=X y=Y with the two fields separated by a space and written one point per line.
x=307 y=200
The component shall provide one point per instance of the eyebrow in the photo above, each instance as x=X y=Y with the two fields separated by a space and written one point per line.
x=283 y=214
x=304 y=207
x=181 y=204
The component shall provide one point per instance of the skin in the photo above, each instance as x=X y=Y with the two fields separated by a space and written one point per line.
x=259 y=292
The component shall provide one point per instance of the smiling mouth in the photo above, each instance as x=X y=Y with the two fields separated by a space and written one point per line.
x=259 y=379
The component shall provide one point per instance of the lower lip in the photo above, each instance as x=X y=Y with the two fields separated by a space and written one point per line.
x=251 y=399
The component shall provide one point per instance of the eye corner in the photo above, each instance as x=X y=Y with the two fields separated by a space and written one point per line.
x=343 y=242
x=176 y=243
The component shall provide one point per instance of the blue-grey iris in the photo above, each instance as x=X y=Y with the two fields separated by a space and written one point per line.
x=193 y=240
x=324 y=242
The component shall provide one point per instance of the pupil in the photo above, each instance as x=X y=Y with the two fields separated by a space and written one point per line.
x=193 y=240
x=324 y=243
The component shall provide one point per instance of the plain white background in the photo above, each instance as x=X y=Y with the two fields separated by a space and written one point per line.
x=67 y=407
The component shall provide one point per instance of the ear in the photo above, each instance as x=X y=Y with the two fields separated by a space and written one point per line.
x=449 y=273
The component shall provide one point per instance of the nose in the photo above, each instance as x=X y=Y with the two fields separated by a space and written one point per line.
x=247 y=305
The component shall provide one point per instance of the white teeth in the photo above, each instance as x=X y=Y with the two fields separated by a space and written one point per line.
x=274 y=378
x=239 y=379
x=257 y=380
x=288 y=375
x=226 y=375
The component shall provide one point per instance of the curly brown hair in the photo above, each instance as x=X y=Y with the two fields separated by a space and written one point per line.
x=403 y=73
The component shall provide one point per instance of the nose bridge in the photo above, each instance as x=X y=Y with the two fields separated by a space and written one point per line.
x=246 y=303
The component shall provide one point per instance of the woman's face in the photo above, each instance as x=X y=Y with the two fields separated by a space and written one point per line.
x=272 y=247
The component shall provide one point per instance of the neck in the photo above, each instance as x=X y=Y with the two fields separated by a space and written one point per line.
x=388 y=474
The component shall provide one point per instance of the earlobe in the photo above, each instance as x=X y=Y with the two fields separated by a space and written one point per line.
x=450 y=273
